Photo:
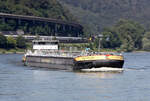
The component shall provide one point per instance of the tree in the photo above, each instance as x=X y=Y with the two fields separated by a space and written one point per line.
x=125 y=34
x=11 y=42
x=130 y=33
x=3 y=41
x=110 y=38
x=21 y=42
x=146 y=41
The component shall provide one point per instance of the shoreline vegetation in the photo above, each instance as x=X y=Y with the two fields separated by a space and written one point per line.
x=10 y=45
x=12 y=51
x=13 y=45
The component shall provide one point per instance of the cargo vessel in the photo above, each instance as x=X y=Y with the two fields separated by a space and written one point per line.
x=46 y=53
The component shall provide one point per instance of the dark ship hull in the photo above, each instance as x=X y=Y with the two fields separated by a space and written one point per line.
x=70 y=63
x=63 y=63
x=99 y=63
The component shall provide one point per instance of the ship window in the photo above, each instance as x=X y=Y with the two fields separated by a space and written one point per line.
x=35 y=43
x=47 y=43
x=55 y=43
x=52 y=43
x=41 y=43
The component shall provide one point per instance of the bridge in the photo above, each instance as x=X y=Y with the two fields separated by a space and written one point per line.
x=54 y=27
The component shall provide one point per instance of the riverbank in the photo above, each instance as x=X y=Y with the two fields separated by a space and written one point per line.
x=120 y=51
x=12 y=51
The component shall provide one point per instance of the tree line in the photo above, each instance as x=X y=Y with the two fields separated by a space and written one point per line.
x=11 y=43
x=125 y=35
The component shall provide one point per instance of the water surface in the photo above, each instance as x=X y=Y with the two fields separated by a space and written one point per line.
x=19 y=83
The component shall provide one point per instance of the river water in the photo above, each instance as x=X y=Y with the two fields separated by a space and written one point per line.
x=19 y=83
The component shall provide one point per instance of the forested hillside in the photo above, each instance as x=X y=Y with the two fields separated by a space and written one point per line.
x=40 y=8
x=103 y=13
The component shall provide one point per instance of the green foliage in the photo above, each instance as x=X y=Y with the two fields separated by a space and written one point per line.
x=11 y=42
x=130 y=33
x=3 y=41
x=110 y=38
x=146 y=41
x=21 y=42
x=125 y=34
x=5 y=27
x=44 y=8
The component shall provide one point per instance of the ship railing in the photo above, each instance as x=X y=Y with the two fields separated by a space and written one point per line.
x=85 y=53
x=52 y=53
x=104 y=53
x=73 y=54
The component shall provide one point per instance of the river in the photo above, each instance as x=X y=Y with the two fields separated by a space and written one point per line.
x=20 y=83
